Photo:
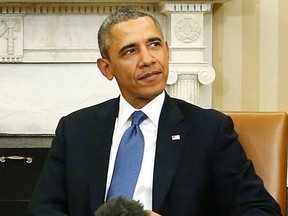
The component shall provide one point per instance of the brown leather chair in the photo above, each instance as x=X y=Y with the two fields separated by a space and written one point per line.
x=264 y=136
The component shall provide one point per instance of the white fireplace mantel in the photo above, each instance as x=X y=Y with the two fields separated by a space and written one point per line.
x=48 y=52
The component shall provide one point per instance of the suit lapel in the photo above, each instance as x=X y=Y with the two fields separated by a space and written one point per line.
x=169 y=147
x=99 y=151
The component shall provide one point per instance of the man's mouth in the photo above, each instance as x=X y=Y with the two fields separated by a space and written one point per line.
x=149 y=75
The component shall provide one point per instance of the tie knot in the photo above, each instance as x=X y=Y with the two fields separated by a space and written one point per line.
x=137 y=117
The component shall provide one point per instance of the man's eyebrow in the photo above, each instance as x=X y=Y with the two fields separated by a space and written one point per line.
x=131 y=45
x=154 y=39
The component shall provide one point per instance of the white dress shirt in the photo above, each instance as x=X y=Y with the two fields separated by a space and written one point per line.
x=149 y=128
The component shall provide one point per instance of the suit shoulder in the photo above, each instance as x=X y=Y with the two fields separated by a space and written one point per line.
x=190 y=109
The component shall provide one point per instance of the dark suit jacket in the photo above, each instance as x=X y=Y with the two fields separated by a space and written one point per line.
x=204 y=173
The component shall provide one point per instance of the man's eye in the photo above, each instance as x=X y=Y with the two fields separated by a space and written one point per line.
x=130 y=51
x=155 y=44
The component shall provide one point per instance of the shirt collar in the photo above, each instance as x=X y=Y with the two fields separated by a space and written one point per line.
x=152 y=110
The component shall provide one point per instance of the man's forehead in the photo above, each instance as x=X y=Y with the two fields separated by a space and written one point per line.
x=136 y=20
x=132 y=26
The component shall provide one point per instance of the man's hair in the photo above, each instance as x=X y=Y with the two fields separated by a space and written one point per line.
x=121 y=15
x=121 y=206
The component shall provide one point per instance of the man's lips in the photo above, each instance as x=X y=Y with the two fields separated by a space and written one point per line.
x=149 y=75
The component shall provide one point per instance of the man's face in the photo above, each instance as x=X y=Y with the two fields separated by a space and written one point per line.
x=138 y=60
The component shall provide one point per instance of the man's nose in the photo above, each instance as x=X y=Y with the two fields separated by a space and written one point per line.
x=146 y=57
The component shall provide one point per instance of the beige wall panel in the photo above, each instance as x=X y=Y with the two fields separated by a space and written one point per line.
x=232 y=53
x=269 y=34
x=250 y=56
x=217 y=57
x=283 y=56
x=250 y=52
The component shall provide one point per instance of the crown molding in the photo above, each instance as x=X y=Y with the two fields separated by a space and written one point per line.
x=100 y=6
x=112 y=1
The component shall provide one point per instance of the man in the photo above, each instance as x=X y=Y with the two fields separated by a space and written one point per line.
x=192 y=163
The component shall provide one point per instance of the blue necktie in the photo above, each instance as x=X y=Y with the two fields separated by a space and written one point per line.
x=128 y=160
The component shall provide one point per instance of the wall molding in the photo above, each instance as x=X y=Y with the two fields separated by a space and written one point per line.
x=69 y=8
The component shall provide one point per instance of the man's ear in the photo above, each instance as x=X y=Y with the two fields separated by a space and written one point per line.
x=104 y=67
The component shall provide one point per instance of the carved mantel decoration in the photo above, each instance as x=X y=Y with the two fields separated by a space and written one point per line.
x=54 y=35
x=189 y=69
x=11 y=35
